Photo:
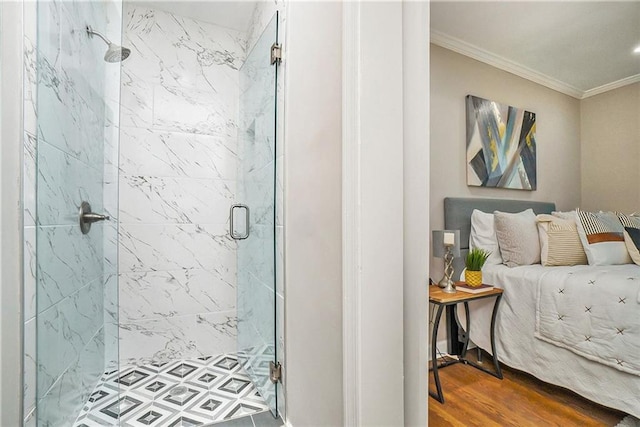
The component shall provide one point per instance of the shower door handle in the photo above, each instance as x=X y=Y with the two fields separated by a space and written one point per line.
x=232 y=230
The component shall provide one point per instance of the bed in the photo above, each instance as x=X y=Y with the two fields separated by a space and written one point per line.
x=537 y=299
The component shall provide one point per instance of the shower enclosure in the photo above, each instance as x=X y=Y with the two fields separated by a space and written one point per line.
x=155 y=216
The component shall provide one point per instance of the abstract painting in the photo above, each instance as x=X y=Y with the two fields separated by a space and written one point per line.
x=501 y=145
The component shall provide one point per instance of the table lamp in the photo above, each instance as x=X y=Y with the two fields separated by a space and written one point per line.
x=446 y=244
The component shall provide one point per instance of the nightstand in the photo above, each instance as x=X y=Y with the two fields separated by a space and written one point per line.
x=442 y=300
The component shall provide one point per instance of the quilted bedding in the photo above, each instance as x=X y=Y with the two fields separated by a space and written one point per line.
x=593 y=312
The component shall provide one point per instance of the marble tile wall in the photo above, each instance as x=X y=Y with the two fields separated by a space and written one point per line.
x=65 y=81
x=179 y=161
x=178 y=179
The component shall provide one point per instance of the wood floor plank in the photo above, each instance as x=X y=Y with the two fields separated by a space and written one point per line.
x=473 y=398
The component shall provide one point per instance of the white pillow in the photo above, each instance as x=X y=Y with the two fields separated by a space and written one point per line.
x=602 y=237
x=518 y=239
x=483 y=236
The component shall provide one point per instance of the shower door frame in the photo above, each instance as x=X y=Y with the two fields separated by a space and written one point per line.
x=11 y=212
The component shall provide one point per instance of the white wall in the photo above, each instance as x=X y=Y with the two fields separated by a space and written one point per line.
x=382 y=213
x=373 y=179
x=416 y=209
x=610 y=134
x=313 y=267
x=453 y=76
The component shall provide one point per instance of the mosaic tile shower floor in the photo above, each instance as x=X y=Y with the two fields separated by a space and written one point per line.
x=194 y=392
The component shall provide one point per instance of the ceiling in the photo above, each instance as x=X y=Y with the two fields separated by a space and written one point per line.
x=230 y=14
x=578 y=48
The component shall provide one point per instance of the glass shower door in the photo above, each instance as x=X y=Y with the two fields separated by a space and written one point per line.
x=256 y=196
x=76 y=176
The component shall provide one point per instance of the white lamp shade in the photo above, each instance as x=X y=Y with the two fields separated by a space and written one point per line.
x=438 y=242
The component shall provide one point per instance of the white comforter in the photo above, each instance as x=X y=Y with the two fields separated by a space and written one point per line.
x=593 y=312
x=518 y=347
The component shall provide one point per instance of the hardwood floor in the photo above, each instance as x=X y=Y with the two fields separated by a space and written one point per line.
x=473 y=398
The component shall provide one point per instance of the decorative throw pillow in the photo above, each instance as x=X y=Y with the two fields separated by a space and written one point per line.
x=568 y=215
x=602 y=237
x=517 y=235
x=634 y=238
x=631 y=224
x=559 y=241
x=483 y=236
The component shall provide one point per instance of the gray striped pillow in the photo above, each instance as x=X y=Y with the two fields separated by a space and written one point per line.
x=559 y=242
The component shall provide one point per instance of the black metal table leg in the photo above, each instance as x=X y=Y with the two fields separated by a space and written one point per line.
x=496 y=364
x=454 y=347
x=493 y=337
x=465 y=332
x=434 y=360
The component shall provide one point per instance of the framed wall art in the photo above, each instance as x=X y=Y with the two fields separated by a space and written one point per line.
x=501 y=145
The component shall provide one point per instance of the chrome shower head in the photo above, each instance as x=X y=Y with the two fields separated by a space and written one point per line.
x=114 y=52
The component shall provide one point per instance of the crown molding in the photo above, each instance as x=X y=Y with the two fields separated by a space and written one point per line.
x=448 y=42
x=502 y=63
x=611 y=86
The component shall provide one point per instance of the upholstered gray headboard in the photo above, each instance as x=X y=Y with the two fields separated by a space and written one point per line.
x=457 y=216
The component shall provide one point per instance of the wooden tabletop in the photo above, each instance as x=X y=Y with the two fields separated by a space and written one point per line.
x=438 y=296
